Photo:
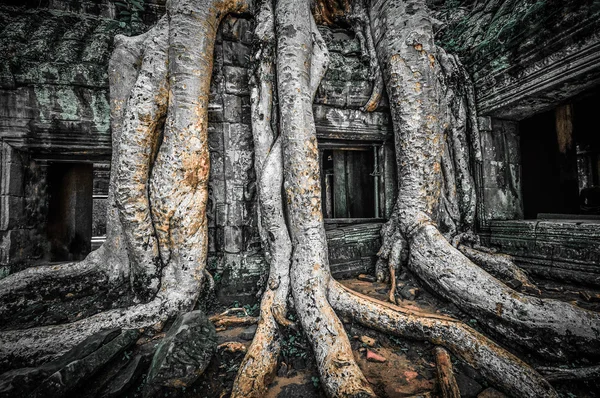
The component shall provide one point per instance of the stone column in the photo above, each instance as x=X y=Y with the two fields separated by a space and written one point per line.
x=12 y=190
x=501 y=169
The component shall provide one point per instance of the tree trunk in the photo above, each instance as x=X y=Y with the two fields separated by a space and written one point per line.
x=409 y=60
x=310 y=264
x=157 y=227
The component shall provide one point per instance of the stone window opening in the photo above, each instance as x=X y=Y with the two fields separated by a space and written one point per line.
x=351 y=181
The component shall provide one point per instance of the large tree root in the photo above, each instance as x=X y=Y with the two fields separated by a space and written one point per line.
x=563 y=374
x=178 y=178
x=501 y=266
x=33 y=346
x=523 y=320
x=108 y=264
x=445 y=374
x=158 y=238
x=417 y=99
x=497 y=365
x=260 y=363
x=310 y=275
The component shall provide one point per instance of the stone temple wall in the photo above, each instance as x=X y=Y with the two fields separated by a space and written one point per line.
x=526 y=57
x=54 y=110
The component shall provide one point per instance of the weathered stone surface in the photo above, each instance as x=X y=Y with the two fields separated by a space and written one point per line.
x=524 y=59
x=125 y=379
x=248 y=333
x=183 y=355
x=20 y=382
x=491 y=393
x=468 y=387
x=306 y=390
x=566 y=250
x=409 y=293
x=369 y=341
x=374 y=357
x=367 y=278
x=70 y=377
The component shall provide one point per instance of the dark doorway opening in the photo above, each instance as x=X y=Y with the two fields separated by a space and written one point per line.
x=349 y=183
x=69 y=225
x=560 y=158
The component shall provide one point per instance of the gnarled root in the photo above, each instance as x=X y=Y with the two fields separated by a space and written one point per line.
x=19 y=348
x=108 y=264
x=296 y=44
x=501 y=266
x=501 y=368
x=562 y=374
x=445 y=374
x=524 y=321
x=259 y=364
x=179 y=180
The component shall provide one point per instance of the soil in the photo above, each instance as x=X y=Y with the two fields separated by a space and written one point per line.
x=409 y=369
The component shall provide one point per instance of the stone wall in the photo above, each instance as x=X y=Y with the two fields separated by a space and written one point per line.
x=525 y=57
x=23 y=210
x=501 y=158
x=54 y=108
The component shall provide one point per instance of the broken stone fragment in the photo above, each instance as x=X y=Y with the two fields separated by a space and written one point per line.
x=469 y=388
x=374 y=357
x=283 y=370
x=369 y=341
x=72 y=376
x=590 y=297
x=125 y=378
x=183 y=355
x=232 y=346
x=248 y=333
x=514 y=284
x=410 y=293
x=20 y=382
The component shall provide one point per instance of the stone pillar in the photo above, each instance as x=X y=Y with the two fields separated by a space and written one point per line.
x=501 y=172
x=70 y=210
x=12 y=190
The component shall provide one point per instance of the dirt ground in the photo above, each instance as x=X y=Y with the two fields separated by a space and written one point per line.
x=409 y=367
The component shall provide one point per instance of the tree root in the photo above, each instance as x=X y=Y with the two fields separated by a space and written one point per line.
x=518 y=318
x=296 y=46
x=232 y=346
x=259 y=364
x=221 y=321
x=501 y=266
x=497 y=365
x=146 y=109
x=445 y=374
x=32 y=285
x=179 y=190
x=34 y=346
x=562 y=374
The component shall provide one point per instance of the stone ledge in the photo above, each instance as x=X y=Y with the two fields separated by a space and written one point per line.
x=550 y=248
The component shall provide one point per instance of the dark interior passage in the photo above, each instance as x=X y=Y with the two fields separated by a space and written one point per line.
x=560 y=159
x=348 y=183
x=69 y=225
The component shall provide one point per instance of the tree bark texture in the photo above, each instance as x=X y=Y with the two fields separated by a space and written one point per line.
x=157 y=235
x=410 y=62
x=310 y=274
x=157 y=228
